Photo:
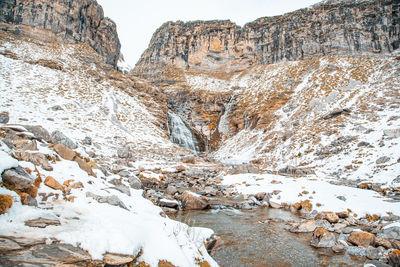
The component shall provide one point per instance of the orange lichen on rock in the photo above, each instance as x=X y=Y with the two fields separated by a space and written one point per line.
x=6 y=202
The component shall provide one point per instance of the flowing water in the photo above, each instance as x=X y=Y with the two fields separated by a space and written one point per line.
x=181 y=134
x=259 y=238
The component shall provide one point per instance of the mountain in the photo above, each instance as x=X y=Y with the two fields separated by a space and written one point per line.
x=79 y=21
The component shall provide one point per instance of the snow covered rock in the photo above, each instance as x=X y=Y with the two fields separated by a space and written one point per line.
x=112 y=200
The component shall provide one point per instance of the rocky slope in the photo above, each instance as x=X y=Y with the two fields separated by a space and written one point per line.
x=80 y=21
x=370 y=27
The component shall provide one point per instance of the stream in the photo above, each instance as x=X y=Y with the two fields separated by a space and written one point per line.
x=259 y=238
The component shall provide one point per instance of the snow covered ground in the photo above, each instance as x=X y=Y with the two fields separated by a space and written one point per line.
x=73 y=101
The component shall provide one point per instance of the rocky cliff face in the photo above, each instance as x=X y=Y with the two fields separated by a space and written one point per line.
x=70 y=21
x=338 y=28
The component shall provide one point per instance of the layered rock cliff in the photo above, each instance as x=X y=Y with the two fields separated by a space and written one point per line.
x=80 y=21
x=339 y=28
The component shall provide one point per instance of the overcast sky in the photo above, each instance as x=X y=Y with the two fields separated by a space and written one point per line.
x=138 y=20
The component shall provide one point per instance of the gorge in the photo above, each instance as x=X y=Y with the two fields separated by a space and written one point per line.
x=285 y=129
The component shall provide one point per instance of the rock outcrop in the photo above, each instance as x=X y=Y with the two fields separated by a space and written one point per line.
x=328 y=28
x=79 y=21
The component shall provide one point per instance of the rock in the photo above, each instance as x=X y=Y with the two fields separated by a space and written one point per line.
x=275 y=205
x=390 y=231
x=36 y=158
x=382 y=160
x=25 y=144
x=39 y=132
x=210 y=191
x=6 y=202
x=243 y=205
x=76 y=185
x=52 y=183
x=329 y=216
x=77 y=22
x=63 y=151
x=4 y=117
x=294 y=171
x=124 y=173
x=87 y=141
x=342 y=198
x=342 y=214
x=112 y=200
x=135 y=182
x=339 y=248
x=356 y=251
x=392 y=133
x=7 y=244
x=304 y=227
x=120 y=186
x=363 y=144
x=394 y=258
x=375 y=253
x=260 y=196
x=193 y=201
x=306 y=205
x=376 y=263
x=322 y=238
x=58 y=137
x=124 y=153
x=336 y=113
x=213 y=244
x=42 y=222
x=84 y=166
x=390 y=218
x=382 y=242
x=173 y=204
x=117 y=259
x=338 y=227
x=17 y=178
x=171 y=190
x=28 y=200
x=361 y=238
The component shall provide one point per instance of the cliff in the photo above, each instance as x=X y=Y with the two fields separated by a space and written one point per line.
x=368 y=27
x=80 y=21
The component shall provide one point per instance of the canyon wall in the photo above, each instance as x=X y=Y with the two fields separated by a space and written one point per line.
x=339 y=28
x=80 y=21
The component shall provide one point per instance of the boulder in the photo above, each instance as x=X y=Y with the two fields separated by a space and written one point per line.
x=39 y=132
x=58 y=137
x=275 y=205
x=329 y=216
x=193 y=201
x=390 y=231
x=322 y=238
x=135 y=182
x=6 y=202
x=173 y=204
x=361 y=238
x=64 y=151
x=342 y=214
x=384 y=242
x=339 y=248
x=36 y=158
x=28 y=200
x=120 y=186
x=171 y=190
x=375 y=253
x=84 y=166
x=304 y=227
x=87 y=141
x=213 y=244
x=356 y=251
x=394 y=258
x=24 y=144
x=4 y=117
x=52 y=183
x=17 y=178
x=294 y=171
x=260 y=196
x=382 y=160
x=124 y=153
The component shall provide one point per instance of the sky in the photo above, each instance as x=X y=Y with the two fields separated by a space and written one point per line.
x=138 y=20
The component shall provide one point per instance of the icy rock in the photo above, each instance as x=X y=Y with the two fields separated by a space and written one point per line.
x=17 y=178
x=112 y=200
x=4 y=117
x=39 y=132
x=58 y=137
x=322 y=238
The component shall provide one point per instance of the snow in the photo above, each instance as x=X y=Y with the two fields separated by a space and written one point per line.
x=7 y=162
x=360 y=201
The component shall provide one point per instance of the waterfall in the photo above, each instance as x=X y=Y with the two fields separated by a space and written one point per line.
x=180 y=134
